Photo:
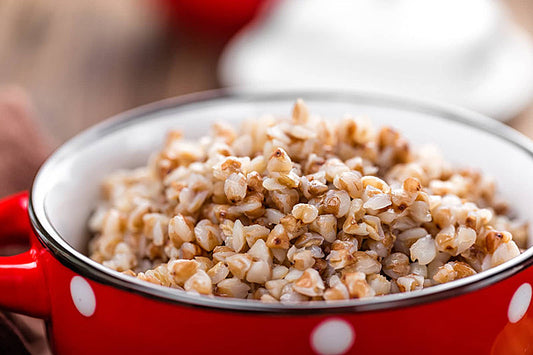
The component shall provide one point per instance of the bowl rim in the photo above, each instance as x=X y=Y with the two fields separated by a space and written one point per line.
x=83 y=265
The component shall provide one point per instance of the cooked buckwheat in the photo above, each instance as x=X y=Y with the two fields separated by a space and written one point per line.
x=301 y=209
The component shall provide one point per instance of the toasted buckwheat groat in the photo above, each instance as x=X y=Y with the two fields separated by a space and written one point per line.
x=301 y=209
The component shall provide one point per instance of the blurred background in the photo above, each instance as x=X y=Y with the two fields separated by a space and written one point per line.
x=66 y=65
x=82 y=61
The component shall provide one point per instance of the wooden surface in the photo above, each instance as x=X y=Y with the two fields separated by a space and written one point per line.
x=82 y=61
x=85 y=60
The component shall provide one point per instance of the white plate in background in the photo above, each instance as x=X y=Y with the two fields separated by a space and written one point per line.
x=464 y=53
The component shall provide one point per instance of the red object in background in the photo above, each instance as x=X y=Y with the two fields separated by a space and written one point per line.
x=215 y=18
x=85 y=316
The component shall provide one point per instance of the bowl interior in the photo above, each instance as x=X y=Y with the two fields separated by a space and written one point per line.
x=67 y=186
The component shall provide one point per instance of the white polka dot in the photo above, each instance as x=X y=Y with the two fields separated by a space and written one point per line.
x=519 y=303
x=82 y=296
x=333 y=336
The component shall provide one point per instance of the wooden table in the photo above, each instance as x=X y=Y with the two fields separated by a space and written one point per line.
x=82 y=61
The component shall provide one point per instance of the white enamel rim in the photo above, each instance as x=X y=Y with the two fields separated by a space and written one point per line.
x=83 y=265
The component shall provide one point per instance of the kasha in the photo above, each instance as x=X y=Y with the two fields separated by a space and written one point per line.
x=300 y=209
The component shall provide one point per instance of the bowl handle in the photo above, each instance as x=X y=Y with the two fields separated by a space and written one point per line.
x=22 y=282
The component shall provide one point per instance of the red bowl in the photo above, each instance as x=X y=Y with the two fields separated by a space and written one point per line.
x=90 y=309
x=215 y=18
